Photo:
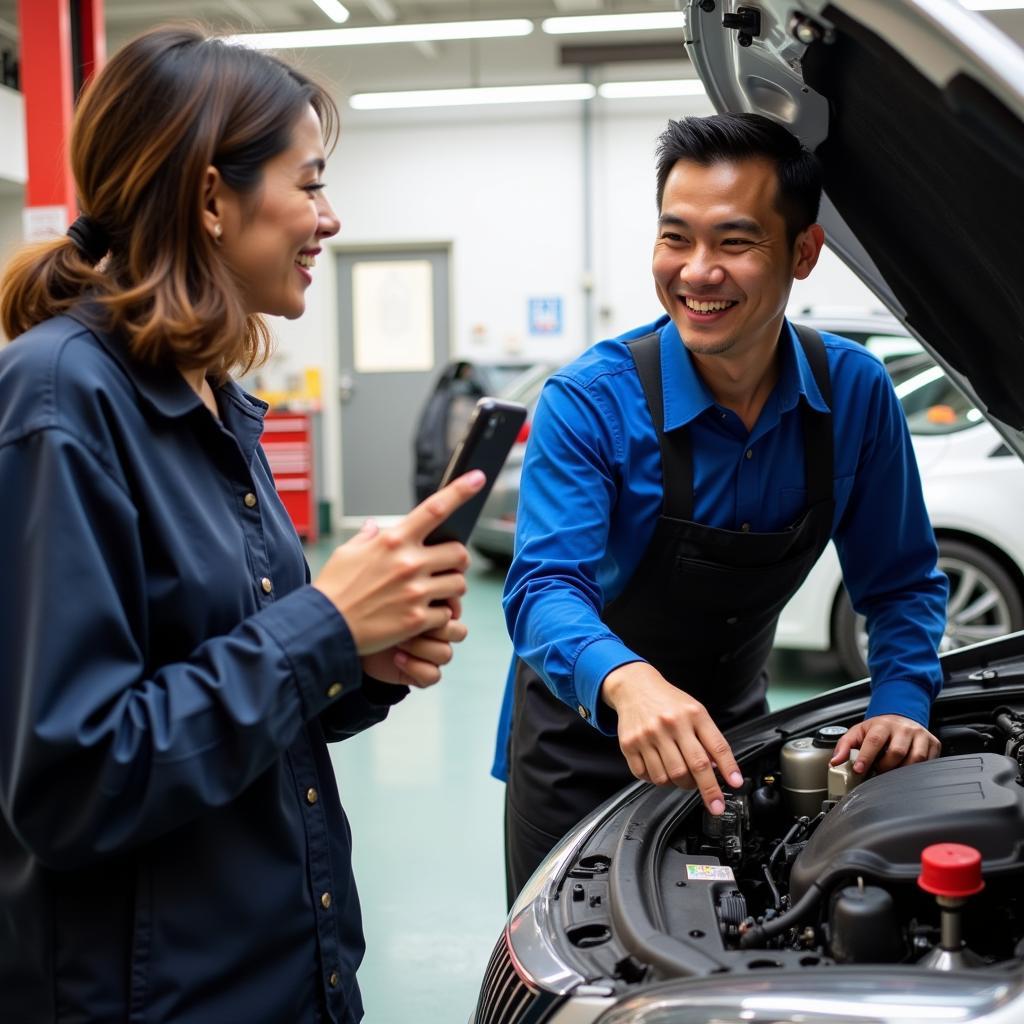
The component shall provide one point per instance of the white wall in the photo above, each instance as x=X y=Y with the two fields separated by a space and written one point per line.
x=504 y=187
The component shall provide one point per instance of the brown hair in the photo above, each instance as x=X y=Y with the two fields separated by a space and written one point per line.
x=167 y=106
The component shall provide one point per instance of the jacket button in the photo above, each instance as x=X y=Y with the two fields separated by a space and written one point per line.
x=325 y=900
x=750 y=453
x=250 y=500
x=266 y=585
x=584 y=713
x=333 y=690
x=332 y=979
x=312 y=796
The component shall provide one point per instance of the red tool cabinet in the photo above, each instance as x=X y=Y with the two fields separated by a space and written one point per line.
x=288 y=442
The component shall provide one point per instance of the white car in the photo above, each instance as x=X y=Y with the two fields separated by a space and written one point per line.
x=974 y=491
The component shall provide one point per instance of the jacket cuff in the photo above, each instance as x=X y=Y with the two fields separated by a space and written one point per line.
x=593 y=664
x=316 y=640
x=900 y=697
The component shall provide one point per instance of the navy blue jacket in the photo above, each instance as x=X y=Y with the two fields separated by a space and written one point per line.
x=172 y=846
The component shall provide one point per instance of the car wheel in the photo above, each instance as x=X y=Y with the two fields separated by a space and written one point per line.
x=984 y=602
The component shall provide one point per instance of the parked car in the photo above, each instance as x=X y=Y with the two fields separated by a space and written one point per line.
x=446 y=413
x=973 y=487
x=810 y=901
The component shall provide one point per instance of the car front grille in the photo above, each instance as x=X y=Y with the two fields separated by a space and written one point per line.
x=505 y=998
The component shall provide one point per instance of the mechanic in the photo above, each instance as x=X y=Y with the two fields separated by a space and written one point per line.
x=680 y=483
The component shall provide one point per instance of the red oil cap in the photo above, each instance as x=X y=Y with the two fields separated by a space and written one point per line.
x=951 y=869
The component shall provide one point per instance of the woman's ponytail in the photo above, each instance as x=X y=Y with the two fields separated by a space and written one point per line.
x=43 y=280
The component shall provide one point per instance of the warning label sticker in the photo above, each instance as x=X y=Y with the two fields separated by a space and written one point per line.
x=709 y=873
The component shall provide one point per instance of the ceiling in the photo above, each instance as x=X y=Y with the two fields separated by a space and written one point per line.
x=533 y=59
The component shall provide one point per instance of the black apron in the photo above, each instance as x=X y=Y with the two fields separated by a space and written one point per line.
x=701 y=608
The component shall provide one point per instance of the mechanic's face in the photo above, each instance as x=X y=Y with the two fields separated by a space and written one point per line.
x=723 y=267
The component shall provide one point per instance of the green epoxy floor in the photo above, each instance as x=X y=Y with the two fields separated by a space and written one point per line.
x=427 y=820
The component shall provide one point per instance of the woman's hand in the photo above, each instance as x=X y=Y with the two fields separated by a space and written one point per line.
x=391 y=587
x=418 y=661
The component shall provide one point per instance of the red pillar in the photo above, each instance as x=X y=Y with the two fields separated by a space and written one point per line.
x=49 y=68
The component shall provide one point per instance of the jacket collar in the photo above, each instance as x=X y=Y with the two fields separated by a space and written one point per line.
x=162 y=388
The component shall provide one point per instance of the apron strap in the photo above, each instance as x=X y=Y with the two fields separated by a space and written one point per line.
x=817 y=426
x=676 y=446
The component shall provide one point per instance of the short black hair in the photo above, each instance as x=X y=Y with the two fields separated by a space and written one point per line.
x=732 y=137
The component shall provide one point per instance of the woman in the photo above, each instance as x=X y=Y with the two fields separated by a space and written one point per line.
x=172 y=846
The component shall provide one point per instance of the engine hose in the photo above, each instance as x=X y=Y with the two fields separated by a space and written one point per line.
x=759 y=934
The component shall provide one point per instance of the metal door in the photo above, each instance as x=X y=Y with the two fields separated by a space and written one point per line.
x=393 y=333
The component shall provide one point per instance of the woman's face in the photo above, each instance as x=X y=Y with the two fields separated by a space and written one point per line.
x=271 y=239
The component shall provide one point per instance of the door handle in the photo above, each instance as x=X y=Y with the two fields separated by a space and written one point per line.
x=346 y=386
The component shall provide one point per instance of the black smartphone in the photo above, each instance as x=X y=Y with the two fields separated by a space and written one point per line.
x=490 y=434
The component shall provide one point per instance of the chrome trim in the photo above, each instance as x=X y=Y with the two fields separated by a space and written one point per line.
x=849 y=996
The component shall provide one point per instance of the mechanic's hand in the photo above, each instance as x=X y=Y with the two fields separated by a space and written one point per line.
x=666 y=735
x=417 y=662
x=390 y=586
x=903 y=741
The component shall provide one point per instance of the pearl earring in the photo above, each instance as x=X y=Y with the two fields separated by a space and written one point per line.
x=217 y=231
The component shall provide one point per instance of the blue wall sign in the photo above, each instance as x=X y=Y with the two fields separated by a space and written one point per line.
x=546 y=316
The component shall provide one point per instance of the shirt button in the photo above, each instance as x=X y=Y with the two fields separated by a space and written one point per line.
x=745 y=527
x=750 y=453
x=332 y=979
x=333 y=690
x=312 y=796
x=325 y=900
x=250 y=500
x=584 y=713
x=266 y=585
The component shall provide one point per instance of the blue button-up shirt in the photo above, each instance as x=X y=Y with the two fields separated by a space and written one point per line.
x=172 y=846
x=591 y=494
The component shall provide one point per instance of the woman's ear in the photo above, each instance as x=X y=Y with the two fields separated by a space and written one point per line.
x=214 y=202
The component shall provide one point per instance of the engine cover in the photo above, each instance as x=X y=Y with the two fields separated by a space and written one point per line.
x=880 y=829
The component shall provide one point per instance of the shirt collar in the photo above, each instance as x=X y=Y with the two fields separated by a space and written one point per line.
x=686 y=396
x=164 y=389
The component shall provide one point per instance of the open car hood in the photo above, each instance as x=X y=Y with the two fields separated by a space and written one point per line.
x=916 y=110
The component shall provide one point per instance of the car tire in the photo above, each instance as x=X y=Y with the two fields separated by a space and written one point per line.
x=979 y=585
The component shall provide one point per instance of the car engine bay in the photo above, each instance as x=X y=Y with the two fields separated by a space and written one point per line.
x=812 y=866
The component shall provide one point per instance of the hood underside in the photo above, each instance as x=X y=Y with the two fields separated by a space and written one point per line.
x=915 y=109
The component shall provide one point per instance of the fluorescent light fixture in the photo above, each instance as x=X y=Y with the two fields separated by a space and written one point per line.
x=334 y=10
x=585 y=24
x=993 y=5
x=379 y=34
x=642 y=90
x=471 y=97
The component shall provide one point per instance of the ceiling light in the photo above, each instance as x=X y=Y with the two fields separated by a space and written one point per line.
x=334 y=10
x=613 y=23
x=639 y=90
x=378 y=34
x=471 y=97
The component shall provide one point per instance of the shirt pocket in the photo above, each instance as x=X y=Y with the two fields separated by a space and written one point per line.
x=792 y=501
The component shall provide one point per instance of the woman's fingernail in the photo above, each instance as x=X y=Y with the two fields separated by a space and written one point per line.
x=476 y=478
x=401 y=659
x=735 y=780
x=717 y=807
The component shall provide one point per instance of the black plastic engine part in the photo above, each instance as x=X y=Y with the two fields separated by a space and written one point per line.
x=880 y=829
x=863 y=926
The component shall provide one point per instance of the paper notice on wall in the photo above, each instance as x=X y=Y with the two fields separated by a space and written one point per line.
x=393 y=316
